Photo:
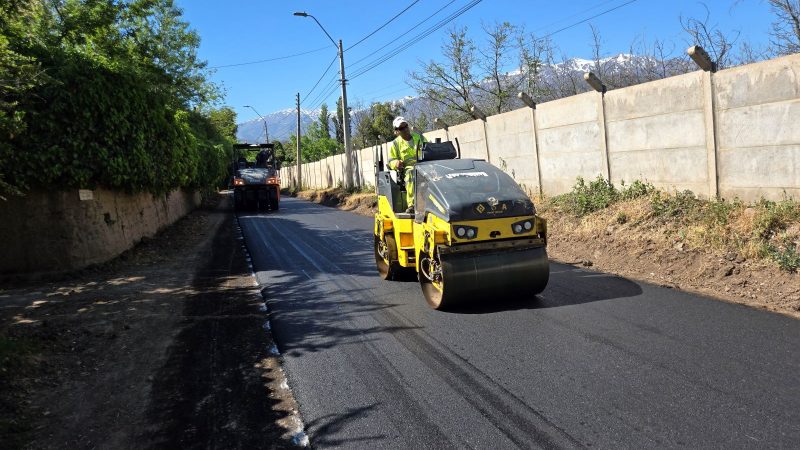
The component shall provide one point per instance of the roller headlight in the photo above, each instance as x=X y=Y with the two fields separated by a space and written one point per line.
x=465 y=232
x=522 y=227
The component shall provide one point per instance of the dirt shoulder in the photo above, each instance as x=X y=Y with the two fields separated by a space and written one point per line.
x=645 y=252
x=165 y=346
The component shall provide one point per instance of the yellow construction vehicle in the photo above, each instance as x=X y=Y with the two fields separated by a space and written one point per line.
x=473 y=236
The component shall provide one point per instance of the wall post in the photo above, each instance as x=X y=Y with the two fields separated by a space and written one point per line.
x=601 y=119
x=711 y=134
x=536 y=151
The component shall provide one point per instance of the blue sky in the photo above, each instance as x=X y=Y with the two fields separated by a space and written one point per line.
x=241 y=31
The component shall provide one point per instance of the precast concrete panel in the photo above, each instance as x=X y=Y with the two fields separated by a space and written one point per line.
x=511 y=145
x=569 y=142
x=674 y=169
x=567 y=111
x=675 y=130
x=667 y=96
x=328 y=172
x=580 y=138
x=759 y=125
x=470 y=138
x=772 y=172
x=755 y=84
x=367 y=166
x=432 y=135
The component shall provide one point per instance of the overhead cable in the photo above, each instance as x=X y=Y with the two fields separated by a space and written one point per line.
x=381 y=27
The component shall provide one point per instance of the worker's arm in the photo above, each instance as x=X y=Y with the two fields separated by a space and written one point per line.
x=395 y=163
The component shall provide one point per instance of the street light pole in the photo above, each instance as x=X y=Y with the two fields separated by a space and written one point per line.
x=345 y=112
x=266 y=132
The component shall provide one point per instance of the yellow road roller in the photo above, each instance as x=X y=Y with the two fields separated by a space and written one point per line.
x=473 y=235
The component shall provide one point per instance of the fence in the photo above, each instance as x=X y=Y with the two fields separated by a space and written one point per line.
x=734 y=133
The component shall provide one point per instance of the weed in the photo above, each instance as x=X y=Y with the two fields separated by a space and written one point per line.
x=621 y=218
x=636 y=190
x=585 y=199
x=677 y=206
x=786 y=255
x=774 y=216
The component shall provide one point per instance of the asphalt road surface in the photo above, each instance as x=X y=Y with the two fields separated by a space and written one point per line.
x=595 y=361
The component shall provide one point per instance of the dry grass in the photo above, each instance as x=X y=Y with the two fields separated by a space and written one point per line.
x=764 y=230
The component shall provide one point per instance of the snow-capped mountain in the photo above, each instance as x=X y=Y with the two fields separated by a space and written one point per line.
x=618 y=70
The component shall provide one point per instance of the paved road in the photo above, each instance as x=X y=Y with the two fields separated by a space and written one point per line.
x=595 y=361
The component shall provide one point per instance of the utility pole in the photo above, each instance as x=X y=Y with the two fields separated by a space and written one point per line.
x=299 y=167
x=348 y=182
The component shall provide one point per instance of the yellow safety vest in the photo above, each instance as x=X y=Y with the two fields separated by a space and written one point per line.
x=401 y=151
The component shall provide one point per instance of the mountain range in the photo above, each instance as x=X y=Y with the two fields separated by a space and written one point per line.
x=282 y=124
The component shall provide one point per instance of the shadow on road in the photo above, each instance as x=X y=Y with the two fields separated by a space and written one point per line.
x=568 y=286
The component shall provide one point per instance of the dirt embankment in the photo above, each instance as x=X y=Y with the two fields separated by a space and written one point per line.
x=163 y=347
x=644 y=250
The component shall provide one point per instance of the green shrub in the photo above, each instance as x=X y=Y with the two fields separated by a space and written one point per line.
x=786 y=255
x=677 y=206
x=636 y=190
x=585 y=199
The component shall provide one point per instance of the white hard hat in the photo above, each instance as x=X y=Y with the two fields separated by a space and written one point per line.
x=399 y=120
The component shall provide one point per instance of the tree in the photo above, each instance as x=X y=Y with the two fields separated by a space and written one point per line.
x=786 y=27
x=450 y=83
x=338 y=121
x=324 y=118
x=498 y=88
x=717 y=44
x=224 y=120
x=376 y=123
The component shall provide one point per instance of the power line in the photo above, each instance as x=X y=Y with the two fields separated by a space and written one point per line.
x=323 y=94
x=564 y=19
x=387 y=23
x=270 y=59
x=404 y=46
x=415 y=26
x=586 y=19
x=320 y=79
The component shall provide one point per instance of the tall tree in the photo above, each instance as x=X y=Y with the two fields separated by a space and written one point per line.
x=450 y=83
x=324 y=121
x=338 y=122
x=497 y=58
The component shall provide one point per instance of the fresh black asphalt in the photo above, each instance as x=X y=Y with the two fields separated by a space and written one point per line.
x=595 y=361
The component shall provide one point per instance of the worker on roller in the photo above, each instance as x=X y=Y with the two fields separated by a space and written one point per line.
x=403 y=155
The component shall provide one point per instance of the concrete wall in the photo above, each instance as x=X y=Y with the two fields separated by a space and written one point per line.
x=57 y=231
x=735 y=133
x=758 y=129
x=570 y=141
x=656 y=132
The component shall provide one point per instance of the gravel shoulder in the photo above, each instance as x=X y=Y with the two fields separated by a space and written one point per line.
x=163 y=347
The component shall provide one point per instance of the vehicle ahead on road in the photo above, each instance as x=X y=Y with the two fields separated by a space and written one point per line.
x=474 y=233
x=256 y=184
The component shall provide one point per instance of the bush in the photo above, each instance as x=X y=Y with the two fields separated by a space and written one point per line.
x=585 y=199
x=786 y=255
x=677 y=206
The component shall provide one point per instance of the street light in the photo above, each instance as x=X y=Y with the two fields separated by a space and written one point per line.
x=266 y=132
x=345 y=113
